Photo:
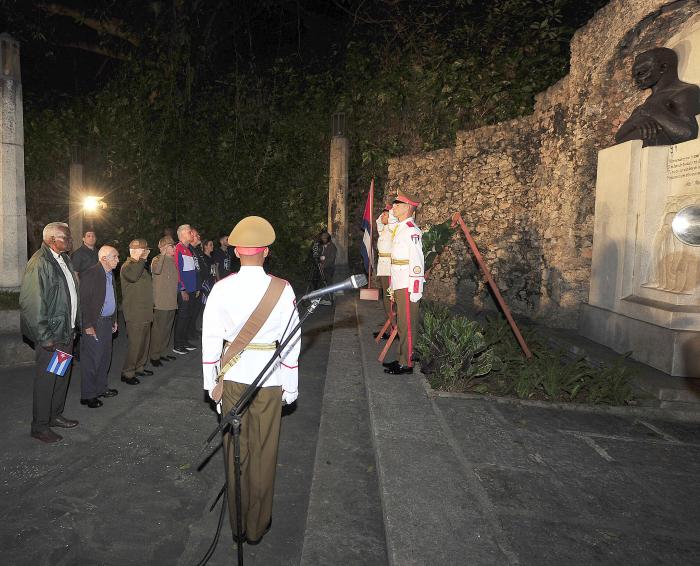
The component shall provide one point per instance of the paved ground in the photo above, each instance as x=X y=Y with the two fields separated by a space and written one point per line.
x=478 y=482
x=372 y=470
x=122 y=488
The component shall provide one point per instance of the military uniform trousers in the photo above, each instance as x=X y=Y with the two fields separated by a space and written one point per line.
x=138 y=335
x=49 y=389
x=95 y=358
x=260 y=432
x=160 y=332
x=384 y=283
x=407 y=315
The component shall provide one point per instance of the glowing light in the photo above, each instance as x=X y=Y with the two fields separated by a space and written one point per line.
x=91 y=204
x=680 y=224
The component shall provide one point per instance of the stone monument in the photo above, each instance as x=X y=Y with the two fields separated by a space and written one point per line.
x=645 y=283
x=13 y=213
x=338 y=189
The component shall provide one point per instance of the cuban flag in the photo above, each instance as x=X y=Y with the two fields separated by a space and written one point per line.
x=366 y=245
x=59 y=363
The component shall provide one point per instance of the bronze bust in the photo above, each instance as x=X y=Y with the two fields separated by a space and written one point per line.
x=668 y=115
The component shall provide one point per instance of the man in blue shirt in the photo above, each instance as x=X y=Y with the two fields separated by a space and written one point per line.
x=98 y=301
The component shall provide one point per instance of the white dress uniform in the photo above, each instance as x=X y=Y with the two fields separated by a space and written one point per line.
x=385 y=234
x=407 y=263
x=230 y=304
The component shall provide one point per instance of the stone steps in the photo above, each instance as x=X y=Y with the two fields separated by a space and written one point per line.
x=344 y=518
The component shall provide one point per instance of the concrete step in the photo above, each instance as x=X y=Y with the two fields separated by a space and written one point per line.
x=690 y=396
x=344 y=519
x=14 y=352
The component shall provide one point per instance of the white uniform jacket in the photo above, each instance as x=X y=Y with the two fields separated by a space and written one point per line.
x=407 y=264
x=385 y=232
x=230 y=304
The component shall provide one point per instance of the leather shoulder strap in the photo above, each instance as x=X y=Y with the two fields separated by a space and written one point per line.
x=256 y=320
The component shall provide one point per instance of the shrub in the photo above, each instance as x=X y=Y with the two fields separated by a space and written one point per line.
x=454 y=349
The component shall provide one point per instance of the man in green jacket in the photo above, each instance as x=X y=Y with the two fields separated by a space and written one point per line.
x=137 y=305
x=49 y=313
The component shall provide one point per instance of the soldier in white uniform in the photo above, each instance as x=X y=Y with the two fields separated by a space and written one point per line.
x=386 y=224
x=230 y=304
x=407 y=278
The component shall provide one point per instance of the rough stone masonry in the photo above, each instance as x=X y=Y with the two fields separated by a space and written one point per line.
x=526 y=188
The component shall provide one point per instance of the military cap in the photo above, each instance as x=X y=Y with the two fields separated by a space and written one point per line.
x=251 y=235
x=403 y=196
x=138 y=244
x=166 y=241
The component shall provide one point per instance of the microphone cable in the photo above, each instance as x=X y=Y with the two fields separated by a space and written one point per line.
x=217 y=534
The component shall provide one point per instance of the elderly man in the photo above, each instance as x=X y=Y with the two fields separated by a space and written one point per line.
x=233 y=302
x=98 y=302
x=203 y=272
x=86 y=255
x=137 y=302
x=407 y=277
x=49 y=313
x=164 y=275
x=187 y=289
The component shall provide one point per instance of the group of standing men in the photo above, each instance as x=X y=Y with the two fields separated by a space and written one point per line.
x=64 y=295
x=401 y=271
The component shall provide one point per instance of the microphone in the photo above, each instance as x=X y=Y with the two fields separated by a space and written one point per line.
x=353 y=282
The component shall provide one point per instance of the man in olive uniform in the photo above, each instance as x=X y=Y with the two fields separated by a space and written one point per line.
x=407 y=278
x=229 y=306
x=165 y=281
x=137 y=304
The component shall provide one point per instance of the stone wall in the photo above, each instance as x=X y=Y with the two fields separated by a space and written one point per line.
x=526 y=188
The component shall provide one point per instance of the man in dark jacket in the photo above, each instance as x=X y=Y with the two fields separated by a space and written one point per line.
x=98 y=304
x=86 y=255
x=49 y=313
x=137 y=302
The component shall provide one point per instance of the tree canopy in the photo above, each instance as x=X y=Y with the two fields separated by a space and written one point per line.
x=203 y=111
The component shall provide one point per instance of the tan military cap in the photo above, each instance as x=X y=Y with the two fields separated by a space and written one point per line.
x=252 y=232
x=139 y=244
x=166 y=241
x=403 y=196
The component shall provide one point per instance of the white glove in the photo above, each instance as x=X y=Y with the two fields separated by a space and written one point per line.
x=218 y=405
x=288 y=397
x=415 y=297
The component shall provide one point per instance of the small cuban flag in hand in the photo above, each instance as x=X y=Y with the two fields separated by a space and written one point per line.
x=59 y=363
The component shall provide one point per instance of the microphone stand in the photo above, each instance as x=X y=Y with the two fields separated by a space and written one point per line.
x=234 y=416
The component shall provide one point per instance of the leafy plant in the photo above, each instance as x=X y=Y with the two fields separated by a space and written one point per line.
x=455 y=349
x=435 y=239
x=548 y=375
x=9 y=300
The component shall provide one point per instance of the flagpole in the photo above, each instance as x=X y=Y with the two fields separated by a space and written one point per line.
x=371 y=233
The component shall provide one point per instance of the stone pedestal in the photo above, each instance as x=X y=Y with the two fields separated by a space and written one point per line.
x=13 y=213
x=338 y=197
x=645 y=284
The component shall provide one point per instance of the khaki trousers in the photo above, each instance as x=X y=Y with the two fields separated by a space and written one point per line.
x=260 y=433
x=160 y=332
x=407 y=315
x=386 y=301
x=138 y=334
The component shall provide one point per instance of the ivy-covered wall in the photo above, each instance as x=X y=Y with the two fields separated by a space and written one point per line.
x=526 y=187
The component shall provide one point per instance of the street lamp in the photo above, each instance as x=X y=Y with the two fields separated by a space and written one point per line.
x=91 y=206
